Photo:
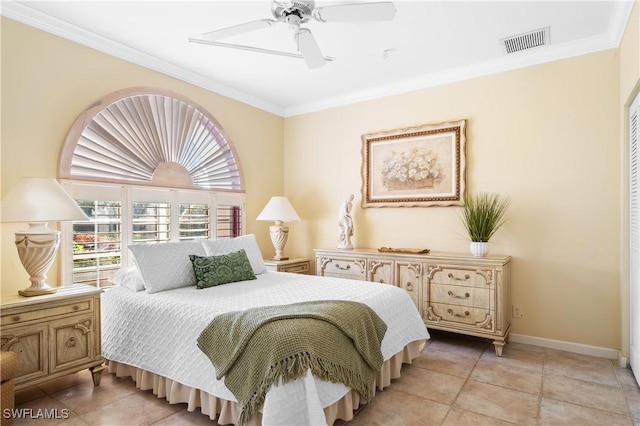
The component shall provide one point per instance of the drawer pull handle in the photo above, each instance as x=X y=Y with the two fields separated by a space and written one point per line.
x=409 y=286
x=16 y=318
x=76 y=307
x=344 y=268
x=452 y=294
x=450 y=311
x=71 y=343
x=453 y=277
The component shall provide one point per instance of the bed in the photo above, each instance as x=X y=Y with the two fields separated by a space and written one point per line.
x=151 y=323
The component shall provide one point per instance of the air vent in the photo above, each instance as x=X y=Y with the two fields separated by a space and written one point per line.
x=526 y=41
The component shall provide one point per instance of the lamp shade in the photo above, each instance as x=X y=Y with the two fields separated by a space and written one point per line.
x=279 y=208
x=39 y=200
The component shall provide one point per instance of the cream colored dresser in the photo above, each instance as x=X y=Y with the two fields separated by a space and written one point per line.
x=53 y=334
x=453 y=292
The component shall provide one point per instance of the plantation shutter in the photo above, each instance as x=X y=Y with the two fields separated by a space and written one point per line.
x=634 y=236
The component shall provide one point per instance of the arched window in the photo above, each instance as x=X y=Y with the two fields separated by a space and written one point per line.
x=146 y=166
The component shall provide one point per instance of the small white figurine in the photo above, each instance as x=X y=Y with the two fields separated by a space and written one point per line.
x=345 y=223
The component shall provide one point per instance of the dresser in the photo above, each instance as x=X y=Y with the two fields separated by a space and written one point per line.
x=295 y=265
x=453 y=292
x=54 y=334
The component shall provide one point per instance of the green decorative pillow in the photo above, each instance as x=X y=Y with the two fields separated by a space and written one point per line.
x=226 y=268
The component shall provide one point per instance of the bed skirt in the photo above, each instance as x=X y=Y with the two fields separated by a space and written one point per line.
x=226 y=412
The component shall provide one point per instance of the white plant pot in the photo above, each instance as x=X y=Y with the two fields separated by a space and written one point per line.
x=479 y=249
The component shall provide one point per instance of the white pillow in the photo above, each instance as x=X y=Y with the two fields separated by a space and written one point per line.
x=165 y=266
x=128 y=278
x=228 y=245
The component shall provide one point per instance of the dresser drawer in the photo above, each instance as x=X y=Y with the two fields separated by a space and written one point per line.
x=471 y=297
x=297 y=268
x=380 y=271
x=467 y=277
x=30 y=345
x=409 y=277
x=72 y=342
x=474 y=317
x=343 y=268
x=72 y=307
x=293 y=266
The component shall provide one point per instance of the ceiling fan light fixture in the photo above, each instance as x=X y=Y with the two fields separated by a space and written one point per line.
x=302 y=8
x=293 y=20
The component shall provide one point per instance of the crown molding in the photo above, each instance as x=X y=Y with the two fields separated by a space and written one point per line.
x=27 y=15
x=507 y=63
x=619 y=20
x=536 y=56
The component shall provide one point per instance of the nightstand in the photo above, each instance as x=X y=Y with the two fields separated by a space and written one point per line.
x=53 y=334
x=296 y=266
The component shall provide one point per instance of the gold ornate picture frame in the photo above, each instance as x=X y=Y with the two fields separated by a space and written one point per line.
x=420 y=166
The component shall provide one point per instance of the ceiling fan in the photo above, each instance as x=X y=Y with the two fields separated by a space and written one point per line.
x=297 y=12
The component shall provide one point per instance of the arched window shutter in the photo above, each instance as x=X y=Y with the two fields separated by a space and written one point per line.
x=144 y=136
x=147 y=167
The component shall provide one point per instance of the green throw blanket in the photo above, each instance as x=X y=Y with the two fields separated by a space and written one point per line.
x=253 y=349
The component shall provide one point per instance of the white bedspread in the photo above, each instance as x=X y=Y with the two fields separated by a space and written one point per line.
x=158 y=332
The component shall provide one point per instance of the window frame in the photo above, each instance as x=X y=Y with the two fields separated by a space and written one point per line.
x=127 y=194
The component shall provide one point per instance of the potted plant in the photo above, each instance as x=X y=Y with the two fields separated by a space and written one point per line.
x=482 y=215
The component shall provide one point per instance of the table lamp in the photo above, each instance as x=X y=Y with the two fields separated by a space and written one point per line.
x=280 y=210
x=38 y=201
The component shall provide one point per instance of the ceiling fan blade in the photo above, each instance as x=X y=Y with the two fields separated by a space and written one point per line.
x=252 y=49
x=237 y=29
x=354 y=12
x=309 y=49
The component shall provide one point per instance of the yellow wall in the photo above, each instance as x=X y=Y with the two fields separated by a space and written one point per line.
x=547 y=136
x=47 y=81
x=629 y=87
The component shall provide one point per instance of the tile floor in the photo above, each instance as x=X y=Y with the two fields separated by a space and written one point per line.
x=455 y=381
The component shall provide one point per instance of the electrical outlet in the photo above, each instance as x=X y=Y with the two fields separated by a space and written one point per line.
x=516 y=311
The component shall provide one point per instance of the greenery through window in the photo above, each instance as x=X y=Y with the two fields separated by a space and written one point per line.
x=97 y=243
x=117 y=218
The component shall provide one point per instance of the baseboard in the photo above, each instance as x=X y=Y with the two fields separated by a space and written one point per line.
x=623 y=362
x=561 y=345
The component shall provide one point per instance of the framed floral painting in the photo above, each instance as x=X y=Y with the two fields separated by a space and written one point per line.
x=415 y=167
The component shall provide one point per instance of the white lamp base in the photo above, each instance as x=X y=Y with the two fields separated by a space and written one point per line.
x=279 y=235
x=37 y=291
x=37 y=248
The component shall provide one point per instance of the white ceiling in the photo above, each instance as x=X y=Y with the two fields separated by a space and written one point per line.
x=428 y=43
